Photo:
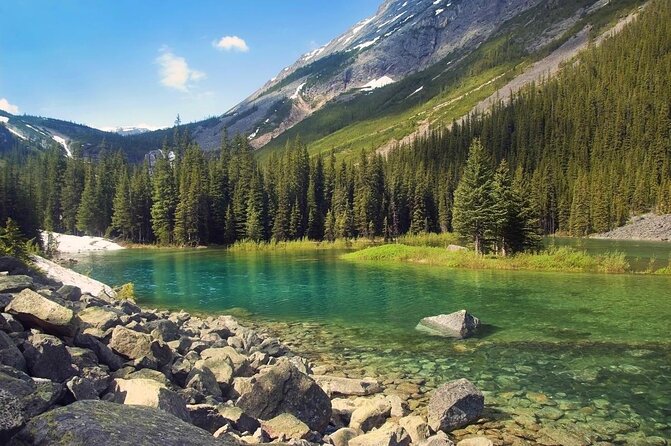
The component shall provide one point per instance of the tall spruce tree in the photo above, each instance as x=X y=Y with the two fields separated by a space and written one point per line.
x=473 y=199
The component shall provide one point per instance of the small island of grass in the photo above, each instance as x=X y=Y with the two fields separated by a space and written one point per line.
x=563 y=259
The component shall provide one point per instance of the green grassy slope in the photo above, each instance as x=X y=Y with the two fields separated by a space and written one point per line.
x=449 y=89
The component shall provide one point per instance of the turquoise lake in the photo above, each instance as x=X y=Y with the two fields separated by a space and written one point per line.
x=592 y=341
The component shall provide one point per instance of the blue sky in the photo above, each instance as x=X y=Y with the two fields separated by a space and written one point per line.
x=109 y=63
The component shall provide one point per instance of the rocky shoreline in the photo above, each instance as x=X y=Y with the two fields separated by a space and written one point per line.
x=77 y=369
x=648 y=227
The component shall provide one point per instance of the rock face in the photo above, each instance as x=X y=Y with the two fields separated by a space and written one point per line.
x=403 y=37
x=33 y=310
x=107 y=424
x=460 y=324
x=284 y=389
x=455 y=405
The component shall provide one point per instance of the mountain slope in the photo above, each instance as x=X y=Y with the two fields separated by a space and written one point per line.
x=35 y=134
x=370 y=85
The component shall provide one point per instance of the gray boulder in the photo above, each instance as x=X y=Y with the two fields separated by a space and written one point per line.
x=10 y=354
x=455 y=405
x=150 y=393
x=164 y=330
x=286 y=427
x=9 y=324
x=342 y=436
x=284 y=389
x=203 y=380
x=103 y=352
x=98 y=320
x=5 y=299
x=35 y=396
x=440 y=439
x=36 y=311
x=221 y=368
x=388 y=435
x=335 y=385
x=70 y=292
x=416 y=427
x=460 y=325
x=141 y=347
x=82 y=389
x=107 y=424
x=11 y=415
x=237 y=418
x=14 y=284
x=47 y=357
x=239 y=362
x=370 y=414
x=206 y=416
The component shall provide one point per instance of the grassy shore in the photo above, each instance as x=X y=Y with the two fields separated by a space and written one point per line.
x=301 y=245
x=562 y=259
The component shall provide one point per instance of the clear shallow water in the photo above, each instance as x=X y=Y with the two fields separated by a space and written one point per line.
x=597 y=345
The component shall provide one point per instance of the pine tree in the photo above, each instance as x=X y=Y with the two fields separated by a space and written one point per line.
x=473 y=202
x=330 y=226
x=122 y=217
x=86 y=213
x=163 y=198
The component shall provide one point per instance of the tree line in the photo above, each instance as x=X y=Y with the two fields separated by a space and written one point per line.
x=577 y=154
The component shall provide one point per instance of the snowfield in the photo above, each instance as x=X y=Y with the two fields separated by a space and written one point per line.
x=73 y=244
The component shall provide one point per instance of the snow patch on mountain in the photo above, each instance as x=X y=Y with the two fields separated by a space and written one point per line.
x=4 y=119
x=17 y=133
x=377 y=83
x=298 y=91
x=60 y=140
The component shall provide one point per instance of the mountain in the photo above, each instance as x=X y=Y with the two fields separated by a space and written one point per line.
x=412 y=67
x=371 y=85
x=35 y=133
x=129 y=131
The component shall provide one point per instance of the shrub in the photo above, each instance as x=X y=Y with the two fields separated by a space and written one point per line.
x=126 y=292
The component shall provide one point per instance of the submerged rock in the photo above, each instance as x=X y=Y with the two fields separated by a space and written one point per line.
x=460 y=325
x=335 y=385
x=284 y=389
x=107 y=424
x=455 y=405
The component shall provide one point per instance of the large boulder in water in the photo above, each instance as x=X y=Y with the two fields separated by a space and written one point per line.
x=284 y=389
x=108 y=424
x=460 y=324
x=36 y=311
x=454 y=405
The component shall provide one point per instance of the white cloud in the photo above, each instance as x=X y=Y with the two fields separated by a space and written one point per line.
x=175 y=72
x=231 y=43
x=9 y=108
